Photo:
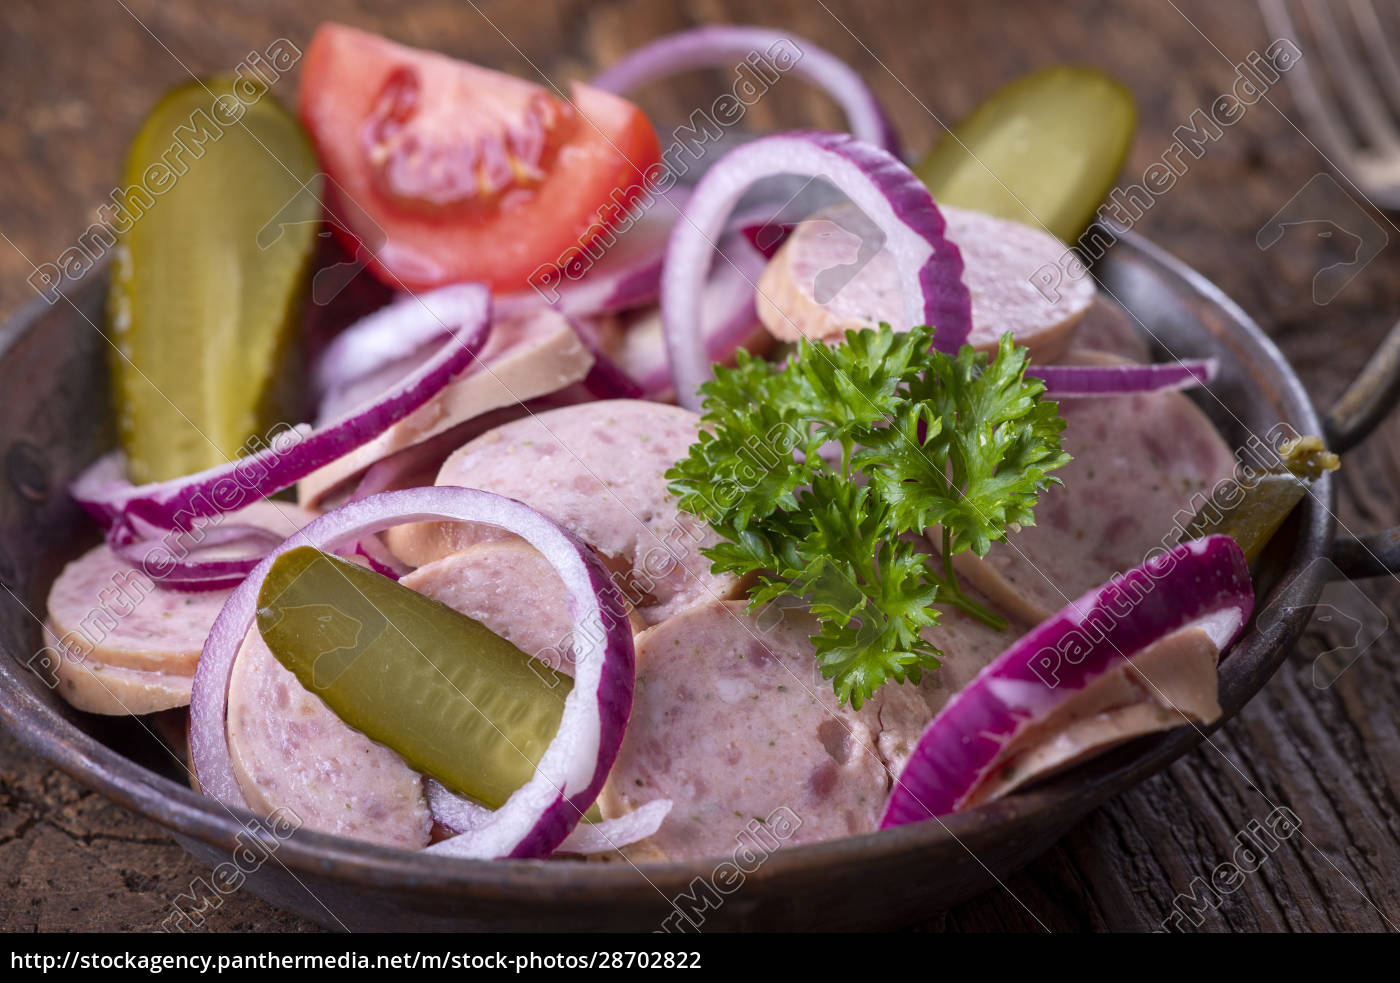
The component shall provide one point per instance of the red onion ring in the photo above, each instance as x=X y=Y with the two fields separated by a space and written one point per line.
x=728 y=319
x=376 y=556
x=1204 y=582
x=626 y=275
x=396 y=331
x=293 y=454
x=1072 y=381
x=605 y=380
x=726 y=46
x=144 y=550
x=541 y=813
x=884 y=189
x=419 y=464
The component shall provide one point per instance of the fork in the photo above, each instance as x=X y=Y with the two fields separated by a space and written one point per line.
x=1369 y=153
x=1370 y=158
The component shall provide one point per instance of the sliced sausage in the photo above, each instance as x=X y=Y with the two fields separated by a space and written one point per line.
x=291 y=752
x=641 y=350
x=96 y=687
x=1105 y=327
x=102 y=608
x=509 y=587
x=968 y=647
x=734 y=724
x=1143 y=464
x=524 y=357
x=597 y=469
x=805 y=293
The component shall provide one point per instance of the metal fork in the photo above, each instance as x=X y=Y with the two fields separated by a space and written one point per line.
x=1370 y=158
x=1368 y=154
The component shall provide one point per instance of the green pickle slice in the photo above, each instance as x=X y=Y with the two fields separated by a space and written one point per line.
x=455 y=700
x=222 y=207
x=1043 y=149
x=1253 y=509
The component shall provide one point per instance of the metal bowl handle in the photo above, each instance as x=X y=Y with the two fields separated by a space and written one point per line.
x=1348 y=422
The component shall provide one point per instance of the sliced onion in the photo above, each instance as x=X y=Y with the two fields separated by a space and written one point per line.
x=610 y=834
x=728 y=319
x=396 y=331
x=240 y=547
x=1069 y=381
x=889 y=194
x=727 y=47
x=376 y=556
x=214 y=553
x=626 y=274
x=462 y=815
x=408 y=467
x=418 y=464
x=769 y=249
x=293 y=454
x=1204 y=583
x=540 y=814
x=605 y=380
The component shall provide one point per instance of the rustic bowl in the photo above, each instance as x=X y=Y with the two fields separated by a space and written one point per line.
x=57 y=420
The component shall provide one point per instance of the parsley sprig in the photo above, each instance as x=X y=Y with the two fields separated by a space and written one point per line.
x=820 y=474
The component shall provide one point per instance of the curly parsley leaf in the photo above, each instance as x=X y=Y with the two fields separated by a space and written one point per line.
x=971 y=449
x=815 y=473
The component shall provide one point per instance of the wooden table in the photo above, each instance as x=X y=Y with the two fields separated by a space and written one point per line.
x=77 y=78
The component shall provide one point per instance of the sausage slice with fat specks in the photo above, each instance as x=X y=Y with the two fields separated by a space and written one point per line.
x=509 y=586
x=806 y=291
x=95 y=687
x=1143 y=463
x=1106 y=327
x=102 y=608
x=526 y=356
x=598 y=469
x=732 y=721
x=291 y=752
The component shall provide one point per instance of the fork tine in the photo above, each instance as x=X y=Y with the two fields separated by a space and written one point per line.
x=1382 y=54
x=1318 y=111
x=1343 y=63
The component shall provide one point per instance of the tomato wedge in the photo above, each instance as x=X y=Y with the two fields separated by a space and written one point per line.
x=441 y=171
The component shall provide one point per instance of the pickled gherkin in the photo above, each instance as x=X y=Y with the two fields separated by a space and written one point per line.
x=455 y=700
x=221 y=212
x=1252 y=509
x=1043 y=150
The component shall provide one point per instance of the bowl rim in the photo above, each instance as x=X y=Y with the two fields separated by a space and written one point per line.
x=1072 y=793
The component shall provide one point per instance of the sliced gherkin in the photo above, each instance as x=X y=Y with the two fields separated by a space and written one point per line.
x=1253 y=509
x=455 y=700
x=1043 y=149
x=215 y=236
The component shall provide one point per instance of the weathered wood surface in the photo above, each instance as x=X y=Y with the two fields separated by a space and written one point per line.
x=78 y=76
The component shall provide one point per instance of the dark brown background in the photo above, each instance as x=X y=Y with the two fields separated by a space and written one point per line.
x=77 y=77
